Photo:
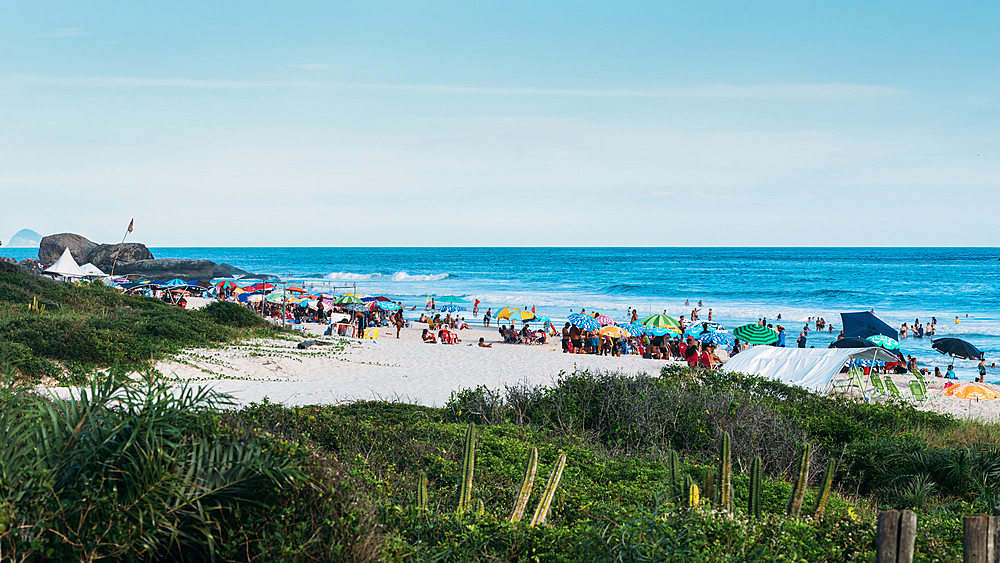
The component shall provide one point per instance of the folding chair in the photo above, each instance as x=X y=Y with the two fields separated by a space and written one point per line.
x=893 y=390
x=918 y=391
x=877 y=383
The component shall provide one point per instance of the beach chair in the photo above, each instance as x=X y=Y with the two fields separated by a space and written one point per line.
x=918 y=391
x=877 y=383
x=372 y=333
x=891 y=386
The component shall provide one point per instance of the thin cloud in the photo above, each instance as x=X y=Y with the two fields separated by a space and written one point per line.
x=780 y=91
x=799 y=92
x=131 y=82
x=66 y=32
x=313 y=66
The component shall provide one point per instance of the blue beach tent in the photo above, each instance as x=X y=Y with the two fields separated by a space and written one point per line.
x=865 y=324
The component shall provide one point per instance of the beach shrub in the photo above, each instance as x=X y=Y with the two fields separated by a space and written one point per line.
x=232 y=314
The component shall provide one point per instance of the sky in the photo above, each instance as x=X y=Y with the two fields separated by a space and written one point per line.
x=502 y=123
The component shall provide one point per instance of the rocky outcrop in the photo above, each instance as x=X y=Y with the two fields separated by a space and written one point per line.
x=103 y=255
x=52 y=246
x=186 y=269
x=31 y=264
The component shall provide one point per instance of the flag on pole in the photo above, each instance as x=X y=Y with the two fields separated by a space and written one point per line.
x=130 y=223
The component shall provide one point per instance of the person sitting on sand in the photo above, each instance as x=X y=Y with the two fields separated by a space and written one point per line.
x=483 y=344
x=428 y=337
x=691 y=353
x=937 y=372
x=462 y=324
x=950 y=374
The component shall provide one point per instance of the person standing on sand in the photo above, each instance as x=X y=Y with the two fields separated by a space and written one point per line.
x=486 y=318
x=565 y=338
x=635 y=315
x=399 y=322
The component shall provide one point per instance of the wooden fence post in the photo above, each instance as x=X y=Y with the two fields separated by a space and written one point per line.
x=897 y=532
x=976 y=539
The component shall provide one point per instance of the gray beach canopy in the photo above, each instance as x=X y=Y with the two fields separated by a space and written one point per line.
x=865 y=324
x=812 y=368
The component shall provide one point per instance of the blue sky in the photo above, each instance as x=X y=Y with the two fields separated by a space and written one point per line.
x=619 y=124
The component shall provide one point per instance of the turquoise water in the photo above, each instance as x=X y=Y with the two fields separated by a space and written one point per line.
x=739 y=284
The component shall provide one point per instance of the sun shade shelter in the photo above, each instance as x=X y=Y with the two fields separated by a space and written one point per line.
x=812 y=368
x=65 y=266
x=865 y=324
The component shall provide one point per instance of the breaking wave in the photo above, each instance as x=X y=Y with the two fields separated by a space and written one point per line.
x=404 y=277
x=349 y=276
x=396 y=277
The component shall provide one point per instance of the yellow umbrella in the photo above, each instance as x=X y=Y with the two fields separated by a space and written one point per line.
x=514 y=313
x=970 y=390
x=613 y=331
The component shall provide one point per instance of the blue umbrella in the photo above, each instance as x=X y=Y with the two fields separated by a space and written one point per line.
x=388 y=306
x=584 y=322
x=450 y=309
x=176 y=282
x=635 y=329
x=699 y=327
x=717 y=338
x=660 y=331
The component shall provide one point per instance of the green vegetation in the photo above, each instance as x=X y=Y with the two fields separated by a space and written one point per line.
x=88 y=325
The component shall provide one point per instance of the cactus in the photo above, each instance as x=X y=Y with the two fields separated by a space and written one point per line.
x=708 y=486
x=35 y=307
x=753 y=500
x=799 y=487
x=694 y=496
x=468 y=467
x=525 y=493
x=542 y=511
x=422 y=490
x=725 y=476
x=480 y=507
x=674 y=476
x=824 y=492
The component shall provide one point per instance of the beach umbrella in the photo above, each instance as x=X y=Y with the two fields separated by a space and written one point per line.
x=604 y=320
x=382 y=298
x=717 y=338
x=262 y=286
x=450 y=309
x=662 y=331
x=277 y=297
x=356 y=307
x=698 y=328
x=347 y=299
x=388 y=306
x=613 y=331
x=755 y=334
x=227 y=284
x=884 y=341
x=584 y=322
x=294 y=289
x=659 y=320
x=176 y=283
x=958 y=348
x=449 y=299
x=969 y=390
x=852 y=342
x=513 y=313
x=635 y=329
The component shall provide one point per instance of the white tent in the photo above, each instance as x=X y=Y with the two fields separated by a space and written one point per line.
x=811 y=368
x=92 y=270
x=65 y=266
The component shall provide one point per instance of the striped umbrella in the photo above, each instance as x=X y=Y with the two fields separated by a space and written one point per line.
x=755 y=334
x=345 y=299
x=884 y=341
x=659 y=320
x=450 y=309
x=356 y=307
x=605 y=320
x=635 y=329
x=585 y=322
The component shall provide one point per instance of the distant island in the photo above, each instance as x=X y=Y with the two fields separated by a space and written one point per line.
x=25 y=238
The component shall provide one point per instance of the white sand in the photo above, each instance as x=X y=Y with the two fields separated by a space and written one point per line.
x=937 y=401
x=406 y=369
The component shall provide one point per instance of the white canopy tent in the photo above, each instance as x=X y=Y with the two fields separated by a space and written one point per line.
x=92 y=271
x=811 y=368
x=65 y=266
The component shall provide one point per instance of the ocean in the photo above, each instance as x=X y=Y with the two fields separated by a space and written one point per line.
x=740 y=285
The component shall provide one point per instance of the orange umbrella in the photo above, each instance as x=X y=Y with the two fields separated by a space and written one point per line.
x=613 y=331
x=294 y=289
x=969 y=390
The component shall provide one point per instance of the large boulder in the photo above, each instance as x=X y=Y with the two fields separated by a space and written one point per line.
x=31 y=264
x=52 y=247
x=168 y=268
x=103 y=255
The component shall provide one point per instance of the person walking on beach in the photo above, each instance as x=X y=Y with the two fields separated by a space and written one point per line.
x=565 y=338
x=399 y=322
x=486 y=318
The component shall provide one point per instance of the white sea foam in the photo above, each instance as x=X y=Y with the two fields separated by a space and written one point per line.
x=349 y=276
x=405 y=277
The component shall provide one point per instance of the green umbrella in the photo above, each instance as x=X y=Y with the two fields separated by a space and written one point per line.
x=450 y=299
x=345 y=299
x=659 y=320
x=756 y=334
x=884 y=341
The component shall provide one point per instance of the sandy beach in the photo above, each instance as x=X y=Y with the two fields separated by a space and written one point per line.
x=405 y=369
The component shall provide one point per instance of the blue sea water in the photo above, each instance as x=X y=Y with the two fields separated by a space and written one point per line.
x=740 y=285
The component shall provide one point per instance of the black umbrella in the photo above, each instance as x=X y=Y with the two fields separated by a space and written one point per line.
x=957 y=347
x=852 y=343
